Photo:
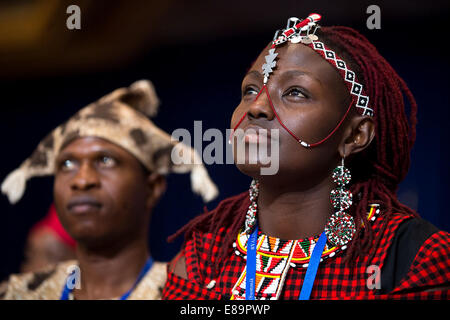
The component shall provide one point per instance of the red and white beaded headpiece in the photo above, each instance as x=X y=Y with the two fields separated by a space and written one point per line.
x=303 y=31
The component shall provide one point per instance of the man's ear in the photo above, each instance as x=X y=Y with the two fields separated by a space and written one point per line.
x=357 y=136
x=157 y=185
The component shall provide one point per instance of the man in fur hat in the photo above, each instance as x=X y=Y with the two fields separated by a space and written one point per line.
x=109 y=162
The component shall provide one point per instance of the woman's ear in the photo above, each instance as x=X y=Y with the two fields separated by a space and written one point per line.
x=358 y=135
x=157 y=186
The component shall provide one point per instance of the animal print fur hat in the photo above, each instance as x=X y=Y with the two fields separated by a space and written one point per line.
x=121 y=118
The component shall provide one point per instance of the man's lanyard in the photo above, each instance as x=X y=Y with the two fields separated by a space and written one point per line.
x=148 y=265
x=310 y=275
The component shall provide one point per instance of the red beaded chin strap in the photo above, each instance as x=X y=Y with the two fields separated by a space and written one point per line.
x=302 y=32
x=303 y=143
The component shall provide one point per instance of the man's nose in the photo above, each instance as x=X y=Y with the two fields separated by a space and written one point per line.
x=85 y=178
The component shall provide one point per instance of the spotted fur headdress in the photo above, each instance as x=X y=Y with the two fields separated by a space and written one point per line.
x=121 y=118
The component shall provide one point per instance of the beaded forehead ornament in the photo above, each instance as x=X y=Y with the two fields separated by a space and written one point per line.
x=303 y=31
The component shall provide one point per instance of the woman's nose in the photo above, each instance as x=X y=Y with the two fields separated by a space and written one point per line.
x=261 y=106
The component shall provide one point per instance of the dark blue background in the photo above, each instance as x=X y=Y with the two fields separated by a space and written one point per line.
x=200 y=80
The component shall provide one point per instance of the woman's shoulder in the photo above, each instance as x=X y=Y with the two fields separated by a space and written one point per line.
x=187 y=268
x=418 y=258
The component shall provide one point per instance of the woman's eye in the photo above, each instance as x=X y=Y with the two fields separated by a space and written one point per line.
x=294 y=92
x=249 y=90
x=107 y=162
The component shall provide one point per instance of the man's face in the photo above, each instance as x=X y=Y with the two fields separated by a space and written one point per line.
x=101 y=191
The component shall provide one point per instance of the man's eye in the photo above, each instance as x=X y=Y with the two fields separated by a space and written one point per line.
x=67 y=165
x=107 y=162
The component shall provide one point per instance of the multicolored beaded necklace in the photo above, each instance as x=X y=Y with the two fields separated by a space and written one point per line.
x=274 y=257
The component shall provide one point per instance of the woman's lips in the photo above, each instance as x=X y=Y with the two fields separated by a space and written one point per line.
x=251 y=138
x=255 y=134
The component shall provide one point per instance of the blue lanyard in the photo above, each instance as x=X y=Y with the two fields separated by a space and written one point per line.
x=148 y=265
x=310 y=272
x=313 y=265
x=251 y=265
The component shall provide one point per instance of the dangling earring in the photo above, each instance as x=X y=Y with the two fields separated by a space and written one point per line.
x=250 y=218
x=340 y=227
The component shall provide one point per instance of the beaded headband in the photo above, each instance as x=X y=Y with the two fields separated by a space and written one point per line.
x=303 y=31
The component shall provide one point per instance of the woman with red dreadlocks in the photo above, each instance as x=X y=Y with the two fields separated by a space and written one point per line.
x=338 y=110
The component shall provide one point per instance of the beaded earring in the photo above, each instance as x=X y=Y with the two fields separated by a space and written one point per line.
x=340 y=227
x=250 y=218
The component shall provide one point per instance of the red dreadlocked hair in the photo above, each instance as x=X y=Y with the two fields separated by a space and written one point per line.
x=376 y=171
